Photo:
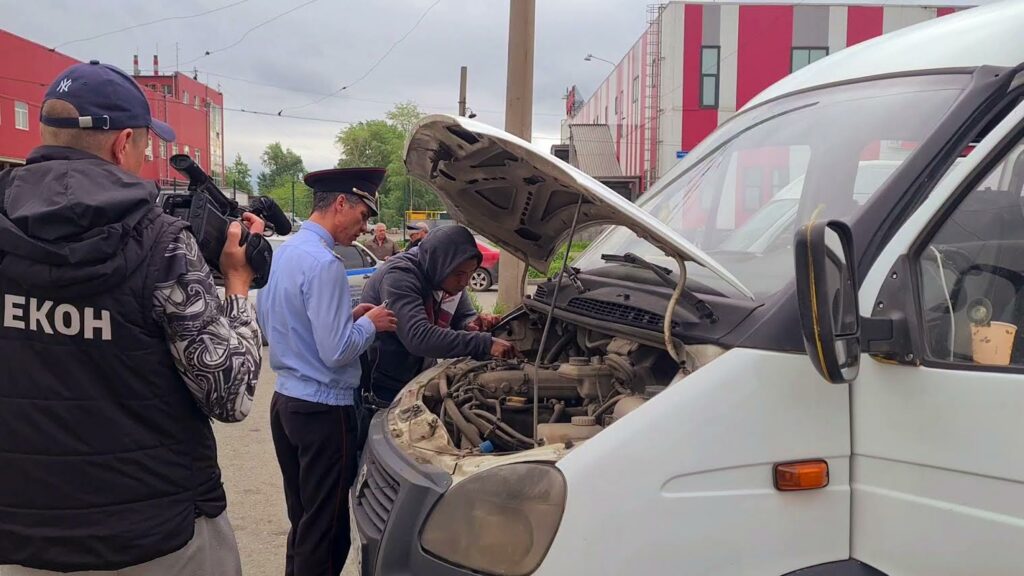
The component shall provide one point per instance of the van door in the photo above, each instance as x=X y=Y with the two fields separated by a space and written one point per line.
x=937 y=473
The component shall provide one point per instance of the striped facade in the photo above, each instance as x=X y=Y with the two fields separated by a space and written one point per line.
x=698 y=63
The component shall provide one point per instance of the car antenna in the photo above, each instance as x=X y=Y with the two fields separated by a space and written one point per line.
x=547 y=323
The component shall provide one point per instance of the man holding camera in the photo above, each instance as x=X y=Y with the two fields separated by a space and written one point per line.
x=115 y=351
x=316 y=339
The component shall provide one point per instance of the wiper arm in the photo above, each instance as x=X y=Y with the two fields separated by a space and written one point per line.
x=664 y=274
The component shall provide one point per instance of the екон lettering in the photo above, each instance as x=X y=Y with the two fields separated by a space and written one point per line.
x=48 y=317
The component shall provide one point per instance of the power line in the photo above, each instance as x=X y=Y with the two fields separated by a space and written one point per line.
x=375 y=65
x=149 y=23
x=247 y=32
x=353 y=98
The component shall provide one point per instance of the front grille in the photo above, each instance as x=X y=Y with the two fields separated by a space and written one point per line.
x=377 y=495
x=616 y=312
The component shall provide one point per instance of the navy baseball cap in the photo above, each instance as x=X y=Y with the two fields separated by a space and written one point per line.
x=106 y=99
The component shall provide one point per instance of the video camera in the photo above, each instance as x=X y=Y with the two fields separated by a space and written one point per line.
x=209 y=213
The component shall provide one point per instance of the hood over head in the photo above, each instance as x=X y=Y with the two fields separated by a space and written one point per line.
x=66 y=218
x=443 y=250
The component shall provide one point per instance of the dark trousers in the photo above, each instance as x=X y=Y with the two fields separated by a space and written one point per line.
x=316 y=449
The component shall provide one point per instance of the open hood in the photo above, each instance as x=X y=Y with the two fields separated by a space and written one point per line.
x=522 y=198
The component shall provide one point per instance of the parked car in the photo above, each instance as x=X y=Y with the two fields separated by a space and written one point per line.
x=487 y=274
x=742 y=417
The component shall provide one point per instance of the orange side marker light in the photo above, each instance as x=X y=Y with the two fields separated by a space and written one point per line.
x=803 y=475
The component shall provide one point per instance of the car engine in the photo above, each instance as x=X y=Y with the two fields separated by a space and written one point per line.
x=586 y=383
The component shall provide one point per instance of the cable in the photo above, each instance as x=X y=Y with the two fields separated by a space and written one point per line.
x=375 y=65
x=247 y=32
x=949 y=303
x=132 y=27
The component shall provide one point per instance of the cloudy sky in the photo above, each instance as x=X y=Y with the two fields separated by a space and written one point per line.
x=326 y=44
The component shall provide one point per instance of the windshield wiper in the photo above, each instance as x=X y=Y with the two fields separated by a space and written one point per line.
x=664 y=274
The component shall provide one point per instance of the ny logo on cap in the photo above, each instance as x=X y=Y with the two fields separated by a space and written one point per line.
x=64 y=85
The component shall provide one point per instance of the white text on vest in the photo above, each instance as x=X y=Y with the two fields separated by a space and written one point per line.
x=46 y=316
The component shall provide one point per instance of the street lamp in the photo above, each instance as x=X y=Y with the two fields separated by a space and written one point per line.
x=590 y=57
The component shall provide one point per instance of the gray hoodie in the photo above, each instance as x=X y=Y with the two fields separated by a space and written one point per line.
x=408 y=281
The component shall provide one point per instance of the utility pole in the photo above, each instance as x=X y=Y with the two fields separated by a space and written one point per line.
x=518 y=121
x=462 y=91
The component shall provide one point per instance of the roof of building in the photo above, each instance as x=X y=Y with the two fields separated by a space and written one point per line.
x=594 y=149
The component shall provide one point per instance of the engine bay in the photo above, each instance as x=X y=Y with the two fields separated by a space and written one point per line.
x=585 y=382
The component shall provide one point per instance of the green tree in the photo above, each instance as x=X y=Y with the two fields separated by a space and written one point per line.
x=381 y=143
x=239 y=175
x=404 y=116
x=279 y=164
x=282 y=194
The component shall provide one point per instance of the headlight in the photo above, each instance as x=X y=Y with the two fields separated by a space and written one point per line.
x=500 y=521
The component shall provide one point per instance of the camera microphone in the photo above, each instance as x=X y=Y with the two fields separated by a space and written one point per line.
x=266 y=208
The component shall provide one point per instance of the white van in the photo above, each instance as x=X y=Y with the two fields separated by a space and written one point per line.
x=853 y=405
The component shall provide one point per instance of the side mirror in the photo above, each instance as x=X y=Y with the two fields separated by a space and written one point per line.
x=826 y=288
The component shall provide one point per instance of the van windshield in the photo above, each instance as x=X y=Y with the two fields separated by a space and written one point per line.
x=742 y=193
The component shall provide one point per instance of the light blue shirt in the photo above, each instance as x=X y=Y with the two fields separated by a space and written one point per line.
x=306 y=312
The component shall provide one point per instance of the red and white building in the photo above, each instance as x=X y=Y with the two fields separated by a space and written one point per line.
x=193 y=109
x=697 y=63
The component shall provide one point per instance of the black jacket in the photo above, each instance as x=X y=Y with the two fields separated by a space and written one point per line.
x=105 y=458
x=408 y=282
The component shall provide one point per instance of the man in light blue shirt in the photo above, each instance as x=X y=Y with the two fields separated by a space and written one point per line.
x=315 y=340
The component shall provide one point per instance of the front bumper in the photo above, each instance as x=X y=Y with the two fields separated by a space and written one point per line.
x=390 y=500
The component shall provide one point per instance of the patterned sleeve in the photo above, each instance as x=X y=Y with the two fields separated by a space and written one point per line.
x=216 y=344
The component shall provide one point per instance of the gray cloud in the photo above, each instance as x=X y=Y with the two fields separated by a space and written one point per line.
x=332 y=43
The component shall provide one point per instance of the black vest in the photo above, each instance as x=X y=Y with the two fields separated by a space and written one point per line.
x=105 y=458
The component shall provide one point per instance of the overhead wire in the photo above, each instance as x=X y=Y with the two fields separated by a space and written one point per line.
x=249 y=31
x=375 y=65
x=157 y=21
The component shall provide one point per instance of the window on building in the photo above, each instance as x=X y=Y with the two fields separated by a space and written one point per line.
x=174 y=149
x=804 y=56
x=187 y=151
x=163 y=149
x=780 y=177
x=621 y=110
x=149 y=148
x=709 y=76
x=199 y=157
x=617 y=109
x=752 y=188
x=167 y=89
x=636 y=99
x=21 y=115
x=184 y=98
x=196 y=102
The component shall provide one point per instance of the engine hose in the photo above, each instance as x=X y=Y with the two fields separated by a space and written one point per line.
x=467 y=429
x=670 y=345
x=488 y=401
x=559 y=409
x=608 y=405
x=559 y=347
x=621 y=368
x=491 y=431
x=505 y=428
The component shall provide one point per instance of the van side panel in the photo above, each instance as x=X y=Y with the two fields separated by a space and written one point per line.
x=684 y=484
